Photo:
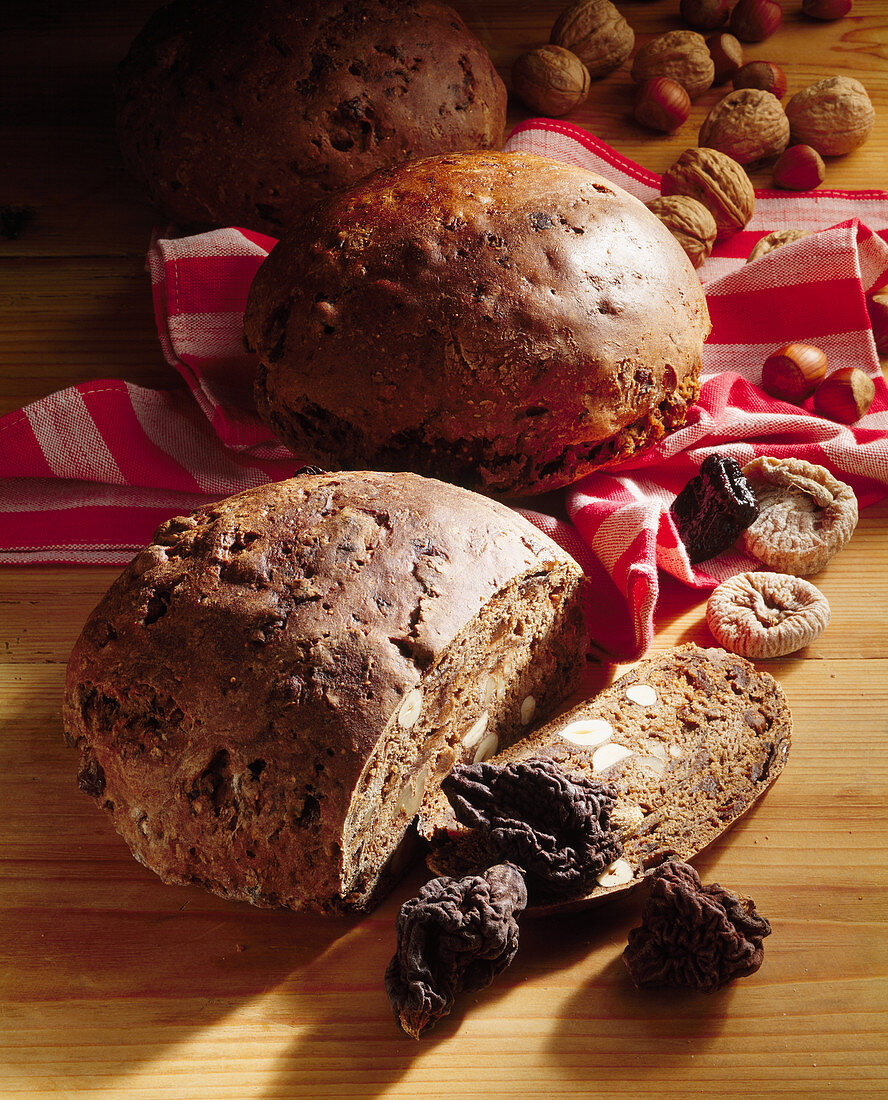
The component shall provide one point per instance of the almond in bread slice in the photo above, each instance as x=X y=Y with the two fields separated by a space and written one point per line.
x=690 y=739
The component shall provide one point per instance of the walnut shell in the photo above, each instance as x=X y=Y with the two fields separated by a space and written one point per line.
x=689 y=221
x=717 y=181
x=597 y=33
x=775 y=239
x=761 y=615
x=748 y=124
x=550 y=80
x=683 y=56
x=833 y=116
x=806 y=516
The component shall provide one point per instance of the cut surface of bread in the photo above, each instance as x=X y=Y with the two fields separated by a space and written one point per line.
x=690 y=738
x=259 y=698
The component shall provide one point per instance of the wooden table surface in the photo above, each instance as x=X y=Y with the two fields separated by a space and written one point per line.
x=116 y=985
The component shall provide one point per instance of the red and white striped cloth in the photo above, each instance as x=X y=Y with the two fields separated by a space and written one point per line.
x=90 y=471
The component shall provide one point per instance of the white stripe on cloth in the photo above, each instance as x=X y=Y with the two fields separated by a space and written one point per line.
x=192 y=443
x=208 y=335
x=70 y=439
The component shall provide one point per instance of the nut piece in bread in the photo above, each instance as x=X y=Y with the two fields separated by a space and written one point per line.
x=690 y=738
x=501 y=320
x=264 y=697
x=232 y=113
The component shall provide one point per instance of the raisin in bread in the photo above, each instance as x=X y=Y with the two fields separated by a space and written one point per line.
x=690 y=738
x=262 y=697
x=500 y=320
x=233 y=113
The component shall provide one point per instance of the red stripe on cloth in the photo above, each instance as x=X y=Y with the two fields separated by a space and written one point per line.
x=20 y=453
x=765 y=316
x=193 y=282
x=140 y=460
x=84 y=527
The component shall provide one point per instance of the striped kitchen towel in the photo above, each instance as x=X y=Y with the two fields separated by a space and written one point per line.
x=90 y=471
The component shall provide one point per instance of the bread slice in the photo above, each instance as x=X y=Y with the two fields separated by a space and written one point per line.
x=690 y=738
x=264 y=696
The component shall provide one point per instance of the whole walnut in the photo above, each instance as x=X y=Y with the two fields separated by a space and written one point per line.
x=749 y=125
x=833 y=116
x=717 y=181
x=597 y=33
x=683 y=56
x=689 y=221
x=550 y=80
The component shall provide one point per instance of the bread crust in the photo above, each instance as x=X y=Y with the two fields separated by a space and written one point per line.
x=245 y=114
x=228 y=691
x=502 y=320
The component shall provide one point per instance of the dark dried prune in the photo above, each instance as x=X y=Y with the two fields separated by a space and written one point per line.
x=694 y=936
x=456 y=935
x=555 y=828
x=304 y=470
x=714 y=508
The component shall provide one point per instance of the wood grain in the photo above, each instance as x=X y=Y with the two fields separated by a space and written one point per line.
x=112 y=984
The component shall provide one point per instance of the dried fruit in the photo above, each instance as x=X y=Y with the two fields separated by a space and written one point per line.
x=718 y=182
x=713 y=508
x=764 y=75
x=550 y=80
x=800 y=168
x=833 y=115
x=763 y=615
x=806 y=516
x=776 y=239
x=705 y=15
x=845 y=396
x=662 y=104
x=755 y=20
x=681 y=55
x=456 y=935
x=826 y=9
x=597 y=33
x=305 y=470
x=727 y=56
x=694 y=936
x=688 y=220
x=877 y=307
x=555 y=828
x=748 y=125
x=792 y=372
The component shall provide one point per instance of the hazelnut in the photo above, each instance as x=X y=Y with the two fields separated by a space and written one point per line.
x=705 y=15
x=718 y=182
x=680 y=55
x=800 y=168
x=662 y=104
x=550 y=80
x=764 y=75
x=826 y=9
x=755 y=20
x=748 y=125
x=877 y=307
x=845 y=395
x=792 y=372
x=834 y=115
x=727 y=56
x=597 y=33
x=689 y=221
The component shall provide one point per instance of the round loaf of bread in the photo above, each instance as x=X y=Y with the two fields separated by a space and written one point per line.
x=244 y=114
x=501 y=320
x=269 y=691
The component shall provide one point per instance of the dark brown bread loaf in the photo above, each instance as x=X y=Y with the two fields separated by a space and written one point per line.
x=501 y=320
x=263 y=696
x=691 y=738
x=235 y=113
